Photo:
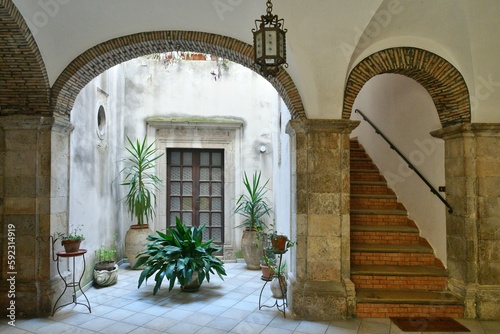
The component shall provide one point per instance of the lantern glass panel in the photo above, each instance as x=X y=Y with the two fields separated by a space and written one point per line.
x=271 y=43
x=258 y=44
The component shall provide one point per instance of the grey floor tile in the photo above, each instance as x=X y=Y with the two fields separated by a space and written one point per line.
x=184 y=328
x=8 y=329
x=220 y=307
x=310 y=327
x=223 y=323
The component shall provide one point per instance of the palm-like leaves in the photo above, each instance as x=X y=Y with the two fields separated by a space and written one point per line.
x=141 y=180
x=177 y=254
x=253 y=205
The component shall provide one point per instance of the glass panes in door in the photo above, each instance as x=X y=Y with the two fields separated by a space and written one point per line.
x=195 y=190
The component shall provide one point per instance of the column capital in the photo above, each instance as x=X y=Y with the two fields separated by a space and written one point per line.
x=468 y=130
x=321 y=125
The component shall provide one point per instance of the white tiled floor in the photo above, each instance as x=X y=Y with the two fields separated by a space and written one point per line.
x=229 y=306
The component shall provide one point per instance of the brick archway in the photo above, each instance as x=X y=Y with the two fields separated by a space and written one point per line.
x=441 y=79
x=105 y=55
x=24 y=84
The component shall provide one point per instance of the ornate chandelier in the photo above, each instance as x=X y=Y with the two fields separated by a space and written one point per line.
x=269 y=43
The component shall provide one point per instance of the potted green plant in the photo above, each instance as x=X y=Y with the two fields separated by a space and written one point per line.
x=72 y=241
x=105 y=269
x=142 y=183
x=279 y=241
x=253 y=206
x=267 y=265
x=180 y=255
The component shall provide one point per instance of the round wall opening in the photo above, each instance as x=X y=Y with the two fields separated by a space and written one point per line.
x=101 y=122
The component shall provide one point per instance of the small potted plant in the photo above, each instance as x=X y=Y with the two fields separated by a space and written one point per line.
x=279 y=241
x=267 y=265
x=105 y=269
x=72 y=241
x=182 y=255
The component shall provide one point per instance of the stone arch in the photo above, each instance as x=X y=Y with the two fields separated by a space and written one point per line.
x=105 y=55
x=441 y=79
x=24 y=83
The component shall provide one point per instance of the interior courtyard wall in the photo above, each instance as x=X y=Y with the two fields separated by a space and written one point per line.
x=142 y=89
x=405 y=113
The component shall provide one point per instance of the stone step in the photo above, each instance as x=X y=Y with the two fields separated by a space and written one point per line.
x=388 y=254
x=380 y=234
x=375 y=202
x=379 y=217
x=427 y=278
x=370 y=187
x=384 y=303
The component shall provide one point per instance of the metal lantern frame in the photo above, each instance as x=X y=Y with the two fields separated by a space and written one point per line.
x=269 y=40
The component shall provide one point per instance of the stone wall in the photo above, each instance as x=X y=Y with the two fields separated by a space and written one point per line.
x=321 y=287
x=473 y=230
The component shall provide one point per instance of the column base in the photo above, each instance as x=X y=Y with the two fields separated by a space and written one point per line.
x=319 y=300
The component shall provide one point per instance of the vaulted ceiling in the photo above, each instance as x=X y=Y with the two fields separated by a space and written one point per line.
x=325 y=40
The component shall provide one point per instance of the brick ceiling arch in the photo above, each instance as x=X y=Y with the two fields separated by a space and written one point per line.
x=110 y=53
x=24 y=84
x=441 y=79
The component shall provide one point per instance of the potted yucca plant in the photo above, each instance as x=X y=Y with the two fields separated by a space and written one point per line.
x=254 y=207
x=142 y=183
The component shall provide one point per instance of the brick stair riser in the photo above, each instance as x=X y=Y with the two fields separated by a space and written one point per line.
x=384 y=238
x=360 y=176
x=374 y=310
x=367 y=189
x=373 y=203
x=427 y=283
x=392 y=259
x=358 y=154
x=379 y=220
x=362 y=164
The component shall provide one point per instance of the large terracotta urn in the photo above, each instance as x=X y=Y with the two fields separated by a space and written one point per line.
x=135 y=242
x=252 y=249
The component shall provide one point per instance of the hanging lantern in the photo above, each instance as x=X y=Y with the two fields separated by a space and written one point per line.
x=269 y=43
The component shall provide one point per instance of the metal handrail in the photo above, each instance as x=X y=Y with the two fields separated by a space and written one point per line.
x=410 y=165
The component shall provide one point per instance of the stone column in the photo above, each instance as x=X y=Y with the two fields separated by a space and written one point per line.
x=472 y=164
x=34 y=202
x=320 y=280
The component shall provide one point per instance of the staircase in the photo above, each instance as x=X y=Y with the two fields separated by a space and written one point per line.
x=393 y=269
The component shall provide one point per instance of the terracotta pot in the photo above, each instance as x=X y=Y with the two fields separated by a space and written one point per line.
x=279 y=242
x=252 y=249
x=135 y=242
x=71 y=246
x=267 y=273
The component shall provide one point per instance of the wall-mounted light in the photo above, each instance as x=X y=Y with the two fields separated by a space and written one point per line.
x=269 y=43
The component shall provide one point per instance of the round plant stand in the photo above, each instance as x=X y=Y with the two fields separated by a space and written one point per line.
x=279 y=303
x=73 y=283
